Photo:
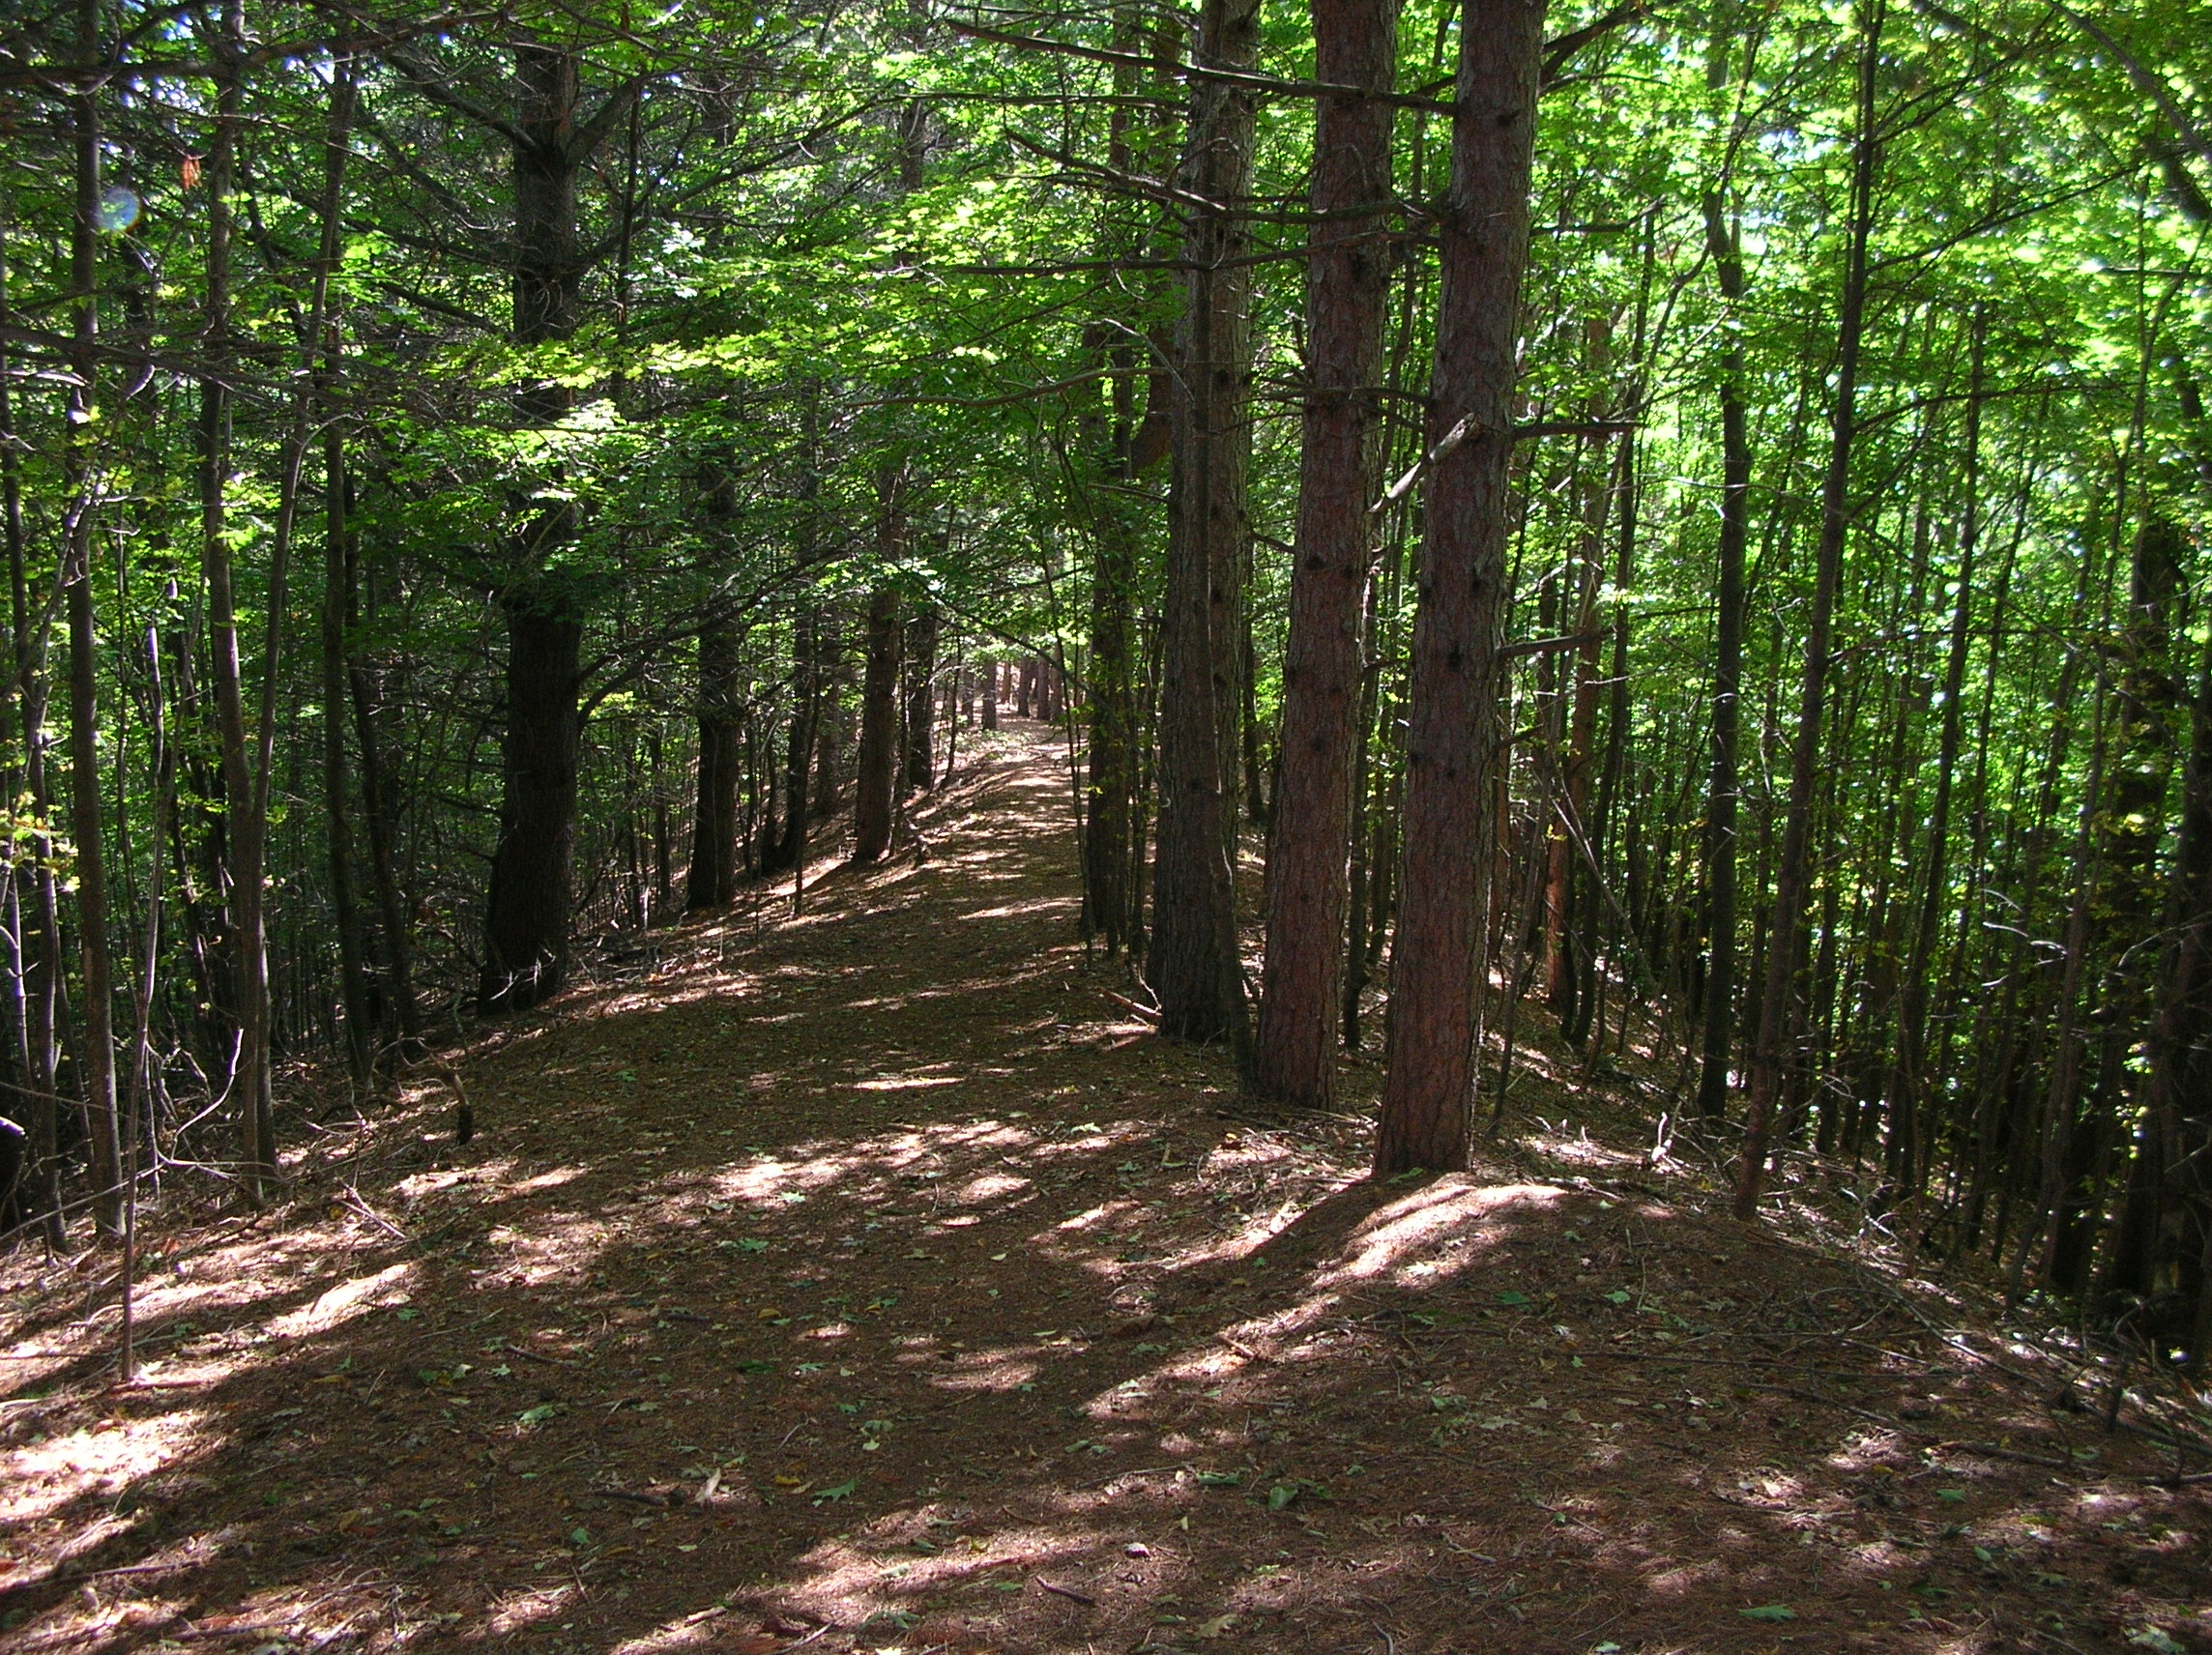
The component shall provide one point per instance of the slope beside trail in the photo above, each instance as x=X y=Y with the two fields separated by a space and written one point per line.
x=869 y=1279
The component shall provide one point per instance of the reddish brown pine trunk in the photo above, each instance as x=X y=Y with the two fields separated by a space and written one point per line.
x=1450 y=736
x=879 y=731
x=1348 y=278
x=990 y=695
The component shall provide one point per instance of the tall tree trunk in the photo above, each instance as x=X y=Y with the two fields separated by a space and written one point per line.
x=80 y=489
x=1793 y=878
x=1192 y=965
x=1453 y=734
x=878 y=762
x=527 y=905
x=1348 y=290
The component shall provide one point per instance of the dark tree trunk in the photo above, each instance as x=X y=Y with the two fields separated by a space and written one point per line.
x=1192 y=965
x=990 y=672
x=2131 y=825
x=712 y=878
x=526 y=916
x=878 y=762
x=806 y=675
x=1452 y=725
x=527 y=907
x=921 y=701
x=1348 y=287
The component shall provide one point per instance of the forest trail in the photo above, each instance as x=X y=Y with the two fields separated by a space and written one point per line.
x=870 y=1280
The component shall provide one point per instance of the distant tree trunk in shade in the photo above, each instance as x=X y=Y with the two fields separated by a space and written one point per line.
x=878 y=761
x=806 y=673
x=1192 y=965
x=1347 y=281
x=990 y=672
x=712 y=880
x=1792 y=876
x=1452 y=731
x=921 y=702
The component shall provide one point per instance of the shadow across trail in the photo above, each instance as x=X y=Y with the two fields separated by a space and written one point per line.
x=866 y=1279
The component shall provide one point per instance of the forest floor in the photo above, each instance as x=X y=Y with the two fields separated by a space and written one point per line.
x=871 y=1280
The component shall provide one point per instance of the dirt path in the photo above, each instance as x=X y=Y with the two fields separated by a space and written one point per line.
x=870 y=1280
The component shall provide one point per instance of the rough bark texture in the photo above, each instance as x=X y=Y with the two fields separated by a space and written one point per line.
x=879 y=731
x=1192 y=965
x=1451 y=726
x=1348 y=276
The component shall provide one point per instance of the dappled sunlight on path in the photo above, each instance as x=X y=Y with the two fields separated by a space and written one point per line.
x=868 y=1279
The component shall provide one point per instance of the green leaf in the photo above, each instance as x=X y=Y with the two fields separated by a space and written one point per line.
x=2154 y=1638
x=1514 y=1298
x=1957 y=1497
x=1220 y=1479
x=1620 y=1296
x=1281 y=1495
x=537 y=1416
x=755 y=1365
x=837 y=1492
x=1769 y=1611
x=580 y=1536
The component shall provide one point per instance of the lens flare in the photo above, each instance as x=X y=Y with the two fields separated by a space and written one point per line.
x=118 y=209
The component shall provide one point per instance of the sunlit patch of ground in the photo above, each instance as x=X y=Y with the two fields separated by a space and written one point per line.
x=868 y=1279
